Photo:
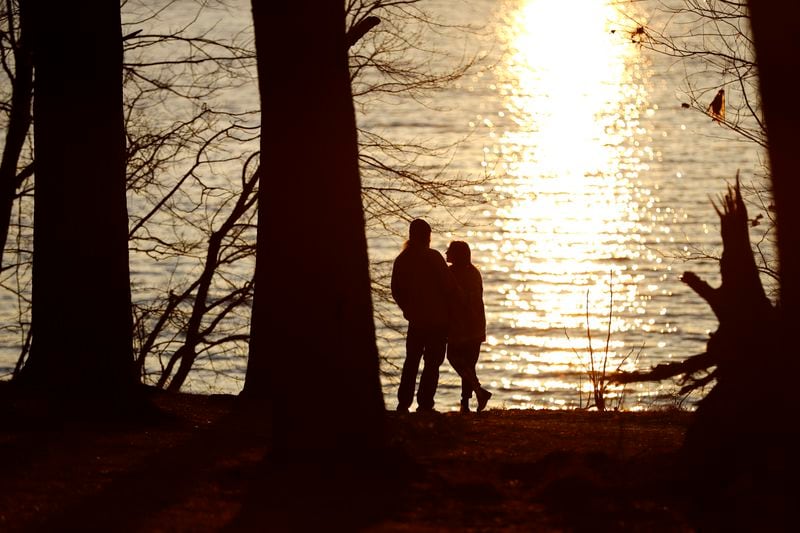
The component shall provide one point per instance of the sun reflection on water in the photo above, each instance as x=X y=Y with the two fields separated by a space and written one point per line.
x=569 y=218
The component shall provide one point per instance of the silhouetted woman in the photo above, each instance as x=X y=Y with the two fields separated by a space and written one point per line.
x=468 y=324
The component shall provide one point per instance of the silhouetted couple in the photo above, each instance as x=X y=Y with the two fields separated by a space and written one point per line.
x=445 y=313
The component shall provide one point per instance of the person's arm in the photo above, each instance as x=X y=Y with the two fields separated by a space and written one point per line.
x=398 y=286
x=479 y=301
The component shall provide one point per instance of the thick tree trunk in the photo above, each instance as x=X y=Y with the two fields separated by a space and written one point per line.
x=312 y=350
x=82 y=344
x=778 y=59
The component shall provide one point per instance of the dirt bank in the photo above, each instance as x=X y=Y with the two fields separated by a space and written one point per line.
x=201 y=467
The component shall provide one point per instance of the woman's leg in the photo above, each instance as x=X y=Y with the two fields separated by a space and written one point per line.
x=459 y=356
x=473 y=352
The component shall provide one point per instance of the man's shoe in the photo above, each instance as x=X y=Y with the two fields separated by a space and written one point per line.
x=465 y=406
x=426 y=410
x=401 y=409
x=483 y=398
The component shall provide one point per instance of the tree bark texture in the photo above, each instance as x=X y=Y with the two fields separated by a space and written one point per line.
x=82 y=339
x=774 y=27
x=312 y=348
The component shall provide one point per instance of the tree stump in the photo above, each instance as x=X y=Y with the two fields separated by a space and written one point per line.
x=736 y=449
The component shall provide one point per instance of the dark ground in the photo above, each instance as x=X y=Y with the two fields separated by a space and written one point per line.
x=199 y=466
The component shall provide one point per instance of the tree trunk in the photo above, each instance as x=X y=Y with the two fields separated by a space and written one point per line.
x=312 y=350
x=82 y=338
x=778 y=59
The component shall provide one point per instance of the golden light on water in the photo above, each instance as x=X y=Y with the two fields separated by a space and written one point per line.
x=568 y=214
x=569 y=72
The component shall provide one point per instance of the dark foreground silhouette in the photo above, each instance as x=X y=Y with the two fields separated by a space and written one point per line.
x=202 y=464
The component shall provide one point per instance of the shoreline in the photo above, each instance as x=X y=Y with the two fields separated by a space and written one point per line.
x=203 y=467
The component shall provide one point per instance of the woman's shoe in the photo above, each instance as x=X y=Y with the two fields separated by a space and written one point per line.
x=483 y=398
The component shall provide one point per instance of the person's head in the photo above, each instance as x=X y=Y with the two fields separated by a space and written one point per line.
x=419 y=233
x=458 y=253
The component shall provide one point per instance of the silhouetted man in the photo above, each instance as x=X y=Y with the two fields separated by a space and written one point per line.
x=421 y=285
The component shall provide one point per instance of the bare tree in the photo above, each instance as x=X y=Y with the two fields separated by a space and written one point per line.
x=191 y=149
x=175 y=141
x=734 y=430
x=17 y=68
x=16 y=202
x=712 y=44
x=395 y=60
x=191 y=168
x=742 y=420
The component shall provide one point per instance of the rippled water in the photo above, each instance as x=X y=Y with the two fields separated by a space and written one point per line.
x=600 y=181
x=597 y=183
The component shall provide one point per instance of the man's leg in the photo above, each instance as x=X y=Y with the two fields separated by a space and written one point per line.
x=433 y=356
x=408 y=379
